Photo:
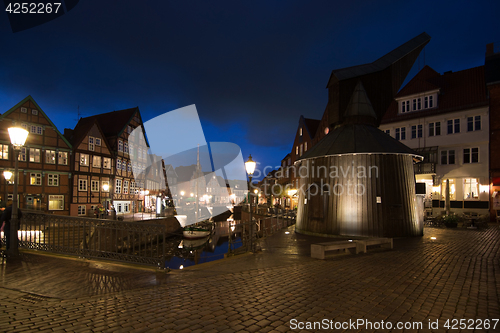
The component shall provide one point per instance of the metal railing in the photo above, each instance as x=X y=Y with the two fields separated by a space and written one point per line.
x=134 y=242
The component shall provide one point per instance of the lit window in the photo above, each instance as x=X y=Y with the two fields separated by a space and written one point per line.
x=22 y=155
x=452 y=191
x=106 y=163
x=84 y=159
x=35 y=155
x=96 y=161
x=35 y=179
x=63 y=158
x=56 y=202
x=4 y=152
x=471 y=188
x=105 y=186
x=50 y=156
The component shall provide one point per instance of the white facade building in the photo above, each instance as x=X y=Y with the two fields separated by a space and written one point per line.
x=445 y=118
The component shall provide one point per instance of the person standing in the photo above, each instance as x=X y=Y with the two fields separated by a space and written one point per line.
x=5 y=220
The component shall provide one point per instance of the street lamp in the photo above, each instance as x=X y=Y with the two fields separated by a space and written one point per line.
x=250 y=168
x=18 y=137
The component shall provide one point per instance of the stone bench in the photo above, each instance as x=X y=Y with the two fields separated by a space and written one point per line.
x=318 y=250
x=363 y=243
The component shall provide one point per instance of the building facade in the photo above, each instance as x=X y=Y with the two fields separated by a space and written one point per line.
x=44 y=161
x=445 y=118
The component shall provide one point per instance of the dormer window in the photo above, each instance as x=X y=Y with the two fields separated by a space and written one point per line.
x=300 y=131
x=417 y=103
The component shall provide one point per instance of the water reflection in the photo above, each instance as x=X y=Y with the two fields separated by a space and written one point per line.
x=183 y=252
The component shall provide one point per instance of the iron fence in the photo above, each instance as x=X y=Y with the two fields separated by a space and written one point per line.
x=135 y=242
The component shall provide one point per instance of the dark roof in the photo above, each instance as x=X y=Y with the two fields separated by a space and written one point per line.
x=382 y=62
x=359 y=104
x=457 y=91
x=356 y=138
x=311 y=126
x=112 y=123
x=81 y=129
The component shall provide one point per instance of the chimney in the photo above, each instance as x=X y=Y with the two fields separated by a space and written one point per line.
x=489 y=49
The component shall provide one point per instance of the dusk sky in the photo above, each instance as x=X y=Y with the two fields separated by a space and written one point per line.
x=250 y=67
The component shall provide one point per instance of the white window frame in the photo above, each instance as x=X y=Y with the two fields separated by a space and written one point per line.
x=62 y=158
x=94 y=185
x=82 y=185
x=97 y=141
x=120 y=145
x=82 y=210
x=91 y=143
x=35 y=155
x=37 y=177
x=52 y=179
x=50 y=157
x=84 y=159
x=125 y=186
x=118 y=186
x=108 y=164
x=96 y=161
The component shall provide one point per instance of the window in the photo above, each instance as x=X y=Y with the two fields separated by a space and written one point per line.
x=388 y=132
x=94 y=185
x=435 y=128
x=300 y=131
x=403 y=106
x=118 y=187
x=56 y=202
x=414 y=104
x=105 y=186
x=97 y=141
x=471 y=155
x=416 y=131
x=129 y=129
x=426 y=102
x=50 y=156
x=35 y=179
x=419 y=103
x=63 y=158
x=473 y=123
x=448 y=157
x=34 y=112
x=22 y=155
x=84 y=159
x=453 y=126
x=120 y=145
x=35 y=155
x=36 y=129
x=296 y=150
x=430 y=102
x=91 y=143
x=96 y=161
x=82 y=210
x=82 y=185
x=4 y=152
x=125 y=187
x=118 y=164
x=52 y=180
x=301 y=150
x=129 y=167
x=471 y=188
x=401 y=133
x=125 y=147
x=452 y=190
x=24 y=110
x=106 y=163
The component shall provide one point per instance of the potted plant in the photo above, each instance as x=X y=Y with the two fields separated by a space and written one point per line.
x=451 y=221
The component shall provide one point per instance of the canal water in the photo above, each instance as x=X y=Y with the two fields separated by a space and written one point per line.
x=183 y=252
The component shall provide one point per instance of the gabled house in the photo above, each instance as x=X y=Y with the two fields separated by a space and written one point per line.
x=92 y=167
x=445 y=118
x=124 y=131
x=44 y=161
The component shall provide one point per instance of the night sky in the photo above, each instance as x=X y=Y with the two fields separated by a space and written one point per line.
x=251 y=67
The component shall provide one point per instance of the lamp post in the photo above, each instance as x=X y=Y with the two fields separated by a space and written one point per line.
x=7 y=175
x=250 y=168
x=18 y=137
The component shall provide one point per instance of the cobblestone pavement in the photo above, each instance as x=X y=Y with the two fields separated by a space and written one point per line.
x=455 y=276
